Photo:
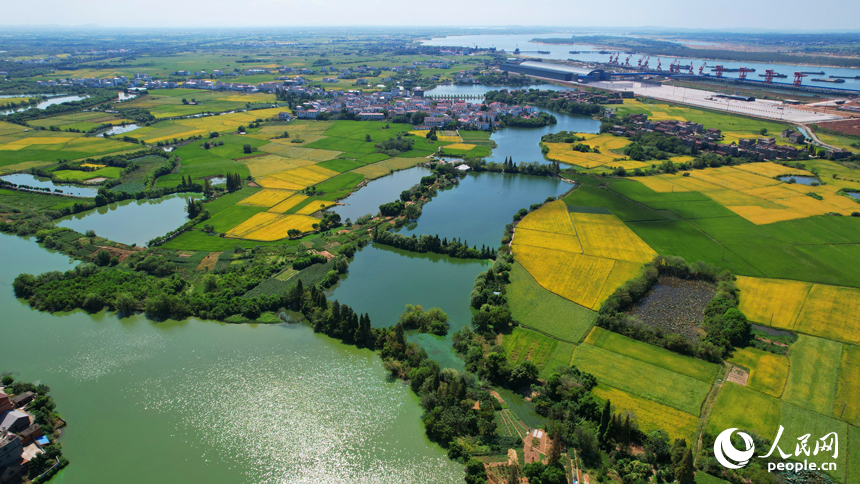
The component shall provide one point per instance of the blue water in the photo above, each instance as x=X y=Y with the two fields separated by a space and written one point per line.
x=801 y=180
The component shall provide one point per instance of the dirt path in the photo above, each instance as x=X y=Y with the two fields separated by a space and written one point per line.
x=708 y=406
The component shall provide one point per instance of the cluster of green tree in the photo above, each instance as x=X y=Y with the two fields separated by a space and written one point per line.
x=503 y=79
x=725 y=325
x=509 y=166
x=539 y=121
x=561 y=137
x=656 y=146
x=395 y=146
x=43 y=409
x=415 y=119
x=543 y=99
x=489 y=288
x=293 y=98
x=234 y=181
x=431 y=243
x=433 y=321
x=139 y=115
x=308 y=260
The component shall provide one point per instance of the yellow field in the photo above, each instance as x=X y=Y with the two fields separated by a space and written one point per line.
x=771 y=170
x=552 y=217
x=266 y=198
x=267 y=226
x=773 y=302
x=650 y=415
x=277 y=184
x=547 y=240
x=817 y=309
x=848 y=389
x=266 y=165
x=460 y=146
x=92 y=165
x=229 y=122
x=315 y=206
x=831 y=312
x=579 y=256
x=752 y=193
x=577 y=277
x=767 y=372
x=283 y=147
x=288 y=204
x=372 y=171
x=607 y=236
x=296 y=178
x=400 y=163
x=439 y=136
x=25 y=142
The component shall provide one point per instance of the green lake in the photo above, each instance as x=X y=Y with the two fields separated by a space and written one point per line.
x=197 y=401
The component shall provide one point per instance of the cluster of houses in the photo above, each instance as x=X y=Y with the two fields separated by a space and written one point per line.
x=382 y=105
x=694 y=134
x=20 y=438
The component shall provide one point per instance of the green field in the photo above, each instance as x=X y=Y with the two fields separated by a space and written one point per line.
x=849 y=386
x=231 y=217
x=642 y=379
x=732 y=410
x=813 y=374
x=560 y=356
x=525 y=345
x=341 y=165
x=78 y=175
x=692 y=367
x=703 y=478
x=767 y=372
x=340 y=182
x=35 y=201
x=534 y=307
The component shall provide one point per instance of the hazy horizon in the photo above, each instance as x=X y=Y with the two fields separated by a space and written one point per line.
x=667 y=14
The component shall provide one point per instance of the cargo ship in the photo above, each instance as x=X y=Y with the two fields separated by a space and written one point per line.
x=775 y=76
x=845 y=77
x=820 y=73
x=543 y=52
x=732 y=70
x=574 y=52
x=835 y=81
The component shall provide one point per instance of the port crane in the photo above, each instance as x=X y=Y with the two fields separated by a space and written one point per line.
x=743 y=73
x=645 y=65
x=691 y=68
x=627 y=61
x=659 y=65
x=798 y=78
x=719 y=70
x=768 y=76
x=701 y=68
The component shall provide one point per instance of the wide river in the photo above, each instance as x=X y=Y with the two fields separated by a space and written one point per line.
x=198 y=401
x=588 y=53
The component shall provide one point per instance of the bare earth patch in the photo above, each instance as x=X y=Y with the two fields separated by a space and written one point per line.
x=208 y=262
x=738 y=375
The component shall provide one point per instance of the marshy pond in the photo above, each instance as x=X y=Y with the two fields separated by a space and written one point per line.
x=675 y=305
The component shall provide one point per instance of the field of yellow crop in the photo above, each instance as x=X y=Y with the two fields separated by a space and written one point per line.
x=622 y=272
x=552 y=217
x=315 y=206
x=767 y=372
x=460 y=146
x=650 y=415
x=288 y=204
x=372 y=171
x=547 y=240
x=283 y=147
x=774 y=302
x=579 y=278
x=266 y=165
x=92 y=165
x=831 y=312
x=41 y=141
x=266 y=226
x=278 y=184
x=453 y=138
x=266 y=198
x=771 y=170
x=306 y=175
x=607 y=236
x=400 y=163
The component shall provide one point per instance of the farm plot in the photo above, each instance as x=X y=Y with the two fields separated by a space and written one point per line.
x=649 y=414
x=372 y=171
x=267 y=198
x=525 y=345
x=767 y=372
x=284 y=147
x=288 y=203
x=652 y=355
x=813 y=374
x=757 y=198
x=266 y=226
x=848 y=393
x=560 y=356
x=732 y=410
x=78 y=175
x=579 y=278
x=552 y=217
x=607 y=236
x=642 y=379
x=535 y=307
x=798 y=422
x=260 y=166
x=817 y=309
x=297 y=178
x=83 y=121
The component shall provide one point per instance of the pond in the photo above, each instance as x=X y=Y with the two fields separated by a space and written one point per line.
x=49 y=102
x=211 y=402
x=382 y=190
x=32 y=181
x=854 y=194
x=675 y=305
x=802 y=180
x=523 y=144
x=132 y=221
x=478 y=209
x=120 y=130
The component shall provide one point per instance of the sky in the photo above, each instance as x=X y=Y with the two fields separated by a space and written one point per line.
x=727 y=14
